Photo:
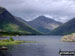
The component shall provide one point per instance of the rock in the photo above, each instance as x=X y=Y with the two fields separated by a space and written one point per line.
x=3 y=48
x=69 y=38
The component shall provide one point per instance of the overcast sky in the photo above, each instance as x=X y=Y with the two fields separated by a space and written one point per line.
x=61 y=10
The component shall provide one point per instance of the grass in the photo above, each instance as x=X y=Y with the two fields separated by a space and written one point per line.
x=14 y=42
x=11 y=41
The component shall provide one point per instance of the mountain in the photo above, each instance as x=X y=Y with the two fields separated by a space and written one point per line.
x=44 y=24
x=9 y=23
x=66 y=28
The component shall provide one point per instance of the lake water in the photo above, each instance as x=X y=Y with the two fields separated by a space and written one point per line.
x=45 y=46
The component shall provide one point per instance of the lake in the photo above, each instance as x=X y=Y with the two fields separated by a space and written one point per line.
x=45 y=46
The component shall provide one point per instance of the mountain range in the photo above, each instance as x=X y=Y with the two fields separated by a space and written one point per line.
x=44 y=24
x=10 y=23
x=39 y=26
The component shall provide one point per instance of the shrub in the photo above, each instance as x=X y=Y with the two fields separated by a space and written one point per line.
x=11 y=39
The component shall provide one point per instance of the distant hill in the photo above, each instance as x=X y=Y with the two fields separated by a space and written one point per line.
x=66 y=28
x=9 y=23
x=44 y=24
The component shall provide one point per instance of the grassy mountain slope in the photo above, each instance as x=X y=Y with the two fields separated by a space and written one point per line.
x=66 y=28
x=10 y=23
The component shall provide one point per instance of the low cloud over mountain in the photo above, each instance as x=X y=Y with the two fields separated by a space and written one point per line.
x=62 y=10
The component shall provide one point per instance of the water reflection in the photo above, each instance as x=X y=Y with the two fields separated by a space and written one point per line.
x=5 y=53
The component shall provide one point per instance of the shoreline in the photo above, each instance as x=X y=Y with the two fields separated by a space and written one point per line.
x=68 y=38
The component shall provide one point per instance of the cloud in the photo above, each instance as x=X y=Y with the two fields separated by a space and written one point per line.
x=63 y=19
x=49 y=16
x=30 y=9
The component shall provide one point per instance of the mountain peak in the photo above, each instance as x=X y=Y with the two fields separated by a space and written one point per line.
x=44 y=18
x=2 y=10
x=44 y=24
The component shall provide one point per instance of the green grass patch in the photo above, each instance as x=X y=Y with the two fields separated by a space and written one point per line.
x=11 y=41
x=14 y=42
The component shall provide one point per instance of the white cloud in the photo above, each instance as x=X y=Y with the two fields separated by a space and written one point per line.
x=49 y=16
x=64 y=18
